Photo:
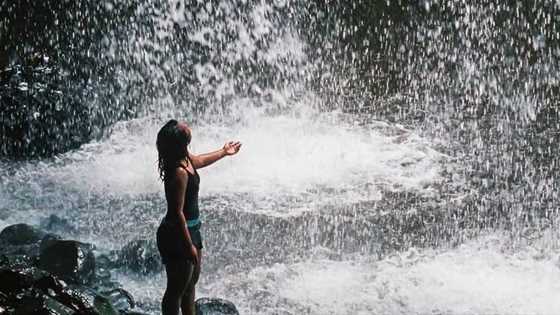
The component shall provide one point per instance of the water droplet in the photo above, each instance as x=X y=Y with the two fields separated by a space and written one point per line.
x=23 y=86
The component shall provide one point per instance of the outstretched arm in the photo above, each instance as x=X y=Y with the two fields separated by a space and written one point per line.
x=203 y=160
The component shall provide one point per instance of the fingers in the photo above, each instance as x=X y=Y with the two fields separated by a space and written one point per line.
x=236 y=146
x=233 y=144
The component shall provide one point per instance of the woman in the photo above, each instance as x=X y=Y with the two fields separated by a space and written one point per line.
x=178 y=236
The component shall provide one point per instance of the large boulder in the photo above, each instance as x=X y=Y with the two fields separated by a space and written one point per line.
x=215 y=306
x=72 y=261
x=20 y=245
x=21 y=234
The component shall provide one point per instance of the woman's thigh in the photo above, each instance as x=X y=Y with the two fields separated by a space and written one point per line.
x=179 y=275
x=196 y=272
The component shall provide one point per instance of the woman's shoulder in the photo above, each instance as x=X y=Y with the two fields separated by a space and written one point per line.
x=180 y=173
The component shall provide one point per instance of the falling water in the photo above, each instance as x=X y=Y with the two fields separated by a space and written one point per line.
x=396 y=159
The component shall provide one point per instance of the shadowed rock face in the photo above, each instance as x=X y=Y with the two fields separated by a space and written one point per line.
x=20 y=234
x=62 y=281
x=53 y=76
x=72 y=261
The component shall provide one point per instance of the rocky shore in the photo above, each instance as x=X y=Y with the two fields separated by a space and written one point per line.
x=42 y=273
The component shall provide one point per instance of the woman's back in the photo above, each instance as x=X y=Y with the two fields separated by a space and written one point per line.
x=190 y=206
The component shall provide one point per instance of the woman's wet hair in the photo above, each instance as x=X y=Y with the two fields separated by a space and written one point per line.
x=171 y=144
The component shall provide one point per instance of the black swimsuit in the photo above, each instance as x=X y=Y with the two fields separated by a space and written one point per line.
x=170 y=239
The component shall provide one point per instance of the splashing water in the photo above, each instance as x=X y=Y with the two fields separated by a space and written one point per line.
x=409 y=170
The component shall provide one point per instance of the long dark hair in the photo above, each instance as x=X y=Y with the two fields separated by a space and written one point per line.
x=172 y=145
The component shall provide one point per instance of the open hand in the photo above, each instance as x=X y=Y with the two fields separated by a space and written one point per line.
x=232 y=147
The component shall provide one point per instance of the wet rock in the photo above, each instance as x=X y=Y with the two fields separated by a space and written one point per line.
x=50 y=285
x=4 y=304
x=20 y=245
x=12 y=281
x=72 y=261
x=82 y=296
x=140 y=256
x=89 y=300
x=58 y=308
x=58 y=290
x=37 y=303
x=47 y=240
x=16 y=261
x=120 y=299
x=28 y=251
x=21 y=234
x=215 y=306
x=33 y=291
x=15 y=281
x=103 y=306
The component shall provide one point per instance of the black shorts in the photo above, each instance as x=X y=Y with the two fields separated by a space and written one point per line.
x=171 y=242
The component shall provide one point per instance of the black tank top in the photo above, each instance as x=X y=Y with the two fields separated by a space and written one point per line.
x=190 y=207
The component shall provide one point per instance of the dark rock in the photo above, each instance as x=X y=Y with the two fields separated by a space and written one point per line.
x=12 y=281
x=55 y=306
x=21 y=234
x=82 y=296
x=20 y=245
x=15 y=281
x=214 y=306
x=27 y=251
x=16 y=261
x=103 y=306
x=87 y=301
x=47 y=241
x=37 y=303
x=72 y=261
x=59 y=291
x=4 y=304
x=50 y=285
x=140 y=256
x=120 y=299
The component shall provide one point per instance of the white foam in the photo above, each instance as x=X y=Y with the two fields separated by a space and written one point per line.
x=476 y=278
x=299 y=153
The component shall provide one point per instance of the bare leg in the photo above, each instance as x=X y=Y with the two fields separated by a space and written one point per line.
x=187 y=305
x=179 y=274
